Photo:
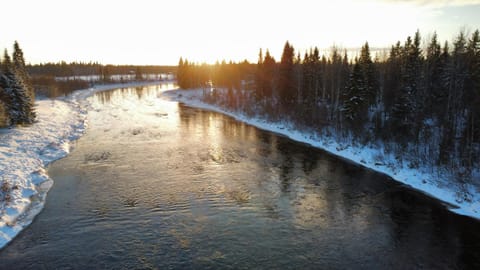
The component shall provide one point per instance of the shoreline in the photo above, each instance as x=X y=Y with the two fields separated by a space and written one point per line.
x=26 y=152
x=418 y=179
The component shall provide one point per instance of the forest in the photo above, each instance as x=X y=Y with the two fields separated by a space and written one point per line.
x=17 y=95
x=418 y=100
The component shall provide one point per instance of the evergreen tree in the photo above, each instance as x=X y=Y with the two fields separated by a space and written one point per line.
x=138 y=74
x=361 y=89
x=471 y=132
x=4 y=101
x=286 y=84
x=298 y=77
x=23 y=80
x=370 y=87
x=268 y=75
x=435 y=94
x=354 y=98
x=259 y=77
x=181 y=73
x=405 y=110
x=392 y=77
x=15 y=85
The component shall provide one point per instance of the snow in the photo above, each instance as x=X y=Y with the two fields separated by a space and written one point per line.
x=461 y=200
x=26 y=151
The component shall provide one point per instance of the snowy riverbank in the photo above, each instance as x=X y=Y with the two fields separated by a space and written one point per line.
x=25 y=152
x=463 y=202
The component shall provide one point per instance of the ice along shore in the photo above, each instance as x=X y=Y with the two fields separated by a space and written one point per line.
x=25 y=152
x=464 y=202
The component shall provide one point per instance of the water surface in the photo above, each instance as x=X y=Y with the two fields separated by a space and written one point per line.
x=158 y=185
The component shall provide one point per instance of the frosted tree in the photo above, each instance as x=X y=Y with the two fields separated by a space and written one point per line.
x=361 y=90
x=20 y=105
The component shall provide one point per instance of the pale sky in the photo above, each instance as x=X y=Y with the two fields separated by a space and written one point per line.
x=159 y=32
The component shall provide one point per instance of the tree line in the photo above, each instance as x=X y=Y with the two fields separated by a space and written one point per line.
x=419 y=100
x=17 y=95
x=57 y=79
x=72 y=69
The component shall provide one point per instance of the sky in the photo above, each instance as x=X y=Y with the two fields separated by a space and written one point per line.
x=157 y=32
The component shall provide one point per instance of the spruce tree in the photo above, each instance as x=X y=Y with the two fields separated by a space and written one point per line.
x=4 y=101
x=23 y=80
x=405 y=117
x=268 y=75
x=259 y=79
x=286 y=84
x=19 y=106
x=370 y=87
x=138 y=74
x=353 y=96
x=433 y=78
x=181 y=73
x=471 y=132
x=361 y=90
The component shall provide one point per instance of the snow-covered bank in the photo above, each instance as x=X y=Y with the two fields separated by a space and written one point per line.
x=464 y=201
x=26 y=151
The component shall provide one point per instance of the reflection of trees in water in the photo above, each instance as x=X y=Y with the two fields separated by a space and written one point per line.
x=357 y=212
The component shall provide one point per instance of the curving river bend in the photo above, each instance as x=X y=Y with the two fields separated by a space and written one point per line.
x=158 y=185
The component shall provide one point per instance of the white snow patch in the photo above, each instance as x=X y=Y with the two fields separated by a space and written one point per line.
x=464 y=201
x=26 y=151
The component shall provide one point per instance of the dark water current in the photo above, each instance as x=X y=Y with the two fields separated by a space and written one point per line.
x=158 y=185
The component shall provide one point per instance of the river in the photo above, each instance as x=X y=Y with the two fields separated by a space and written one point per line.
x=154 y=184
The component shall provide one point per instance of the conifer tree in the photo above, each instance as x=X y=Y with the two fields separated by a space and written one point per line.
x=354 y=98
x=180 y=73
x=16 y=95
x=471 y=132
x=4 y=101
x=286 y=85
x=268 y=75
x=138 y=74
x=369 y=78
x=433 y=77
x=259 y=77
x=361 y=89
x=23 y=80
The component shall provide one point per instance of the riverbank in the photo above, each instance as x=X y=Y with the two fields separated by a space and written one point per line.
x=461 y=200
x=25 y=152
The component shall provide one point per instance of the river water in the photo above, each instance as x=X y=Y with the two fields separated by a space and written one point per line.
x=158 y=185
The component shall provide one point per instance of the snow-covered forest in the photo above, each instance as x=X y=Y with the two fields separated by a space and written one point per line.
x=420 y=101
x=17 y=95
